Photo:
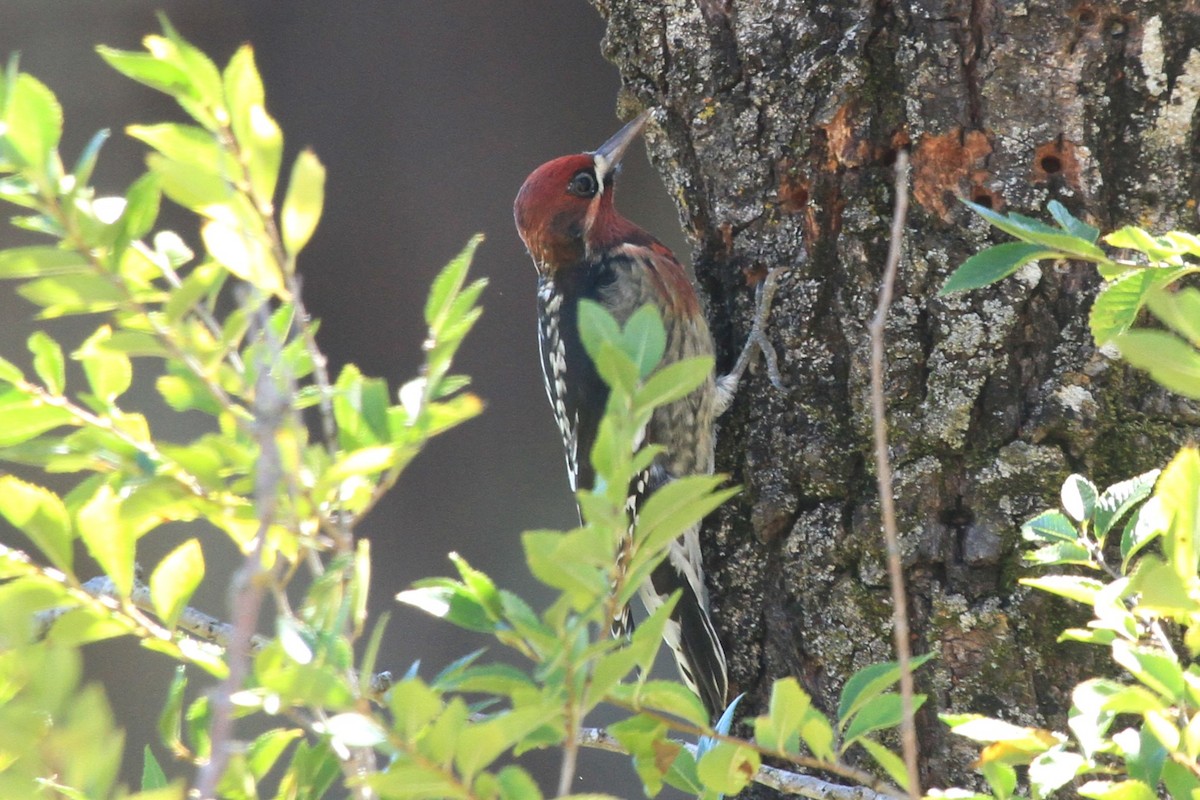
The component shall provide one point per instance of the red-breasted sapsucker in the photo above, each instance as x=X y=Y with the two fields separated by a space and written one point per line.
x=583 y=248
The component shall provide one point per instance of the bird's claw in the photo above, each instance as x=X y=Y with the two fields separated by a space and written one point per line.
x=756 y=341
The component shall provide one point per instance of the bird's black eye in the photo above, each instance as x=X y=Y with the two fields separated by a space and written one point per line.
x=583 y=184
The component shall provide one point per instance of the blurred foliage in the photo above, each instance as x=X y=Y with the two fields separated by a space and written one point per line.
x=1138 y=737
x=292 y=460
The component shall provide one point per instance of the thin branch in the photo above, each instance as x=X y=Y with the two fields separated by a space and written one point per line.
x=248 y=585
x=862 y=777
x=773 y=778
x=883 y=469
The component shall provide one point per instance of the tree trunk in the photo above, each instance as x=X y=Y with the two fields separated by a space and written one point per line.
x=776 y=128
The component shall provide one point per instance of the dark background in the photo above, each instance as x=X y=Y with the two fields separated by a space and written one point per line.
x=428 y=116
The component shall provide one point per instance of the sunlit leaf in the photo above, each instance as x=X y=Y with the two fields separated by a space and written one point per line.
x=245 y=255
x=48 y=361
x=109 y=542
x=728 y=768
x=304 y=201
x=33 y=123
x=38 y=262
x=175 y=579
x=40 y=515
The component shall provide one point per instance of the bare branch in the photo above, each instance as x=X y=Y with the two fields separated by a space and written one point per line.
x=249 y=583
x=883 y=469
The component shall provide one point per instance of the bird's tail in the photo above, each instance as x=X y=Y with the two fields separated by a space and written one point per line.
x=689 y=633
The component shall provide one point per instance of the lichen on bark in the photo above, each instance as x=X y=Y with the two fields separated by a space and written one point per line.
x=775 y=126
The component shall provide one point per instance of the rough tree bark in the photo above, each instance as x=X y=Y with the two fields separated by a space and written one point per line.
x=777 y=123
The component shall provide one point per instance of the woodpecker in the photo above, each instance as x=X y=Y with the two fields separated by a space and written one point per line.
x=583 y=248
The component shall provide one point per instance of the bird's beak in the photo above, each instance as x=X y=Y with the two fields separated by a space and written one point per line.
x=609 y=154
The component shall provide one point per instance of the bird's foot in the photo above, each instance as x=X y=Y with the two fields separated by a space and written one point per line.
x=727 y=385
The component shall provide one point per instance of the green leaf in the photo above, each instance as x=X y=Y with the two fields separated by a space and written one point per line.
x=1179 y=310
x=148 y=70
x=676 y=506
x=1001 y=777
x=645 y=739
x=728 y=768
x=674 y=381
x=264 y=751
x=881 y=712
x=1035 y=232
x=23 y=417
x=1179 y=493
x=1072 y=225
x=673 y=698
x=1049 y=526
x=33 y=124
x=481 y=743
x=1060 y=553
x=244 y=254
x=779 y=729
x=1119 y=498
x=405 y=780
x=142 y=202
x=170 y=721
x=869 y=682
x=109 y=374
x=993 y=264
x=255 y=131
x=175 y=580
x=363 y=461
x=1170 y=361
x=1158 y=248
x=195 y=187
x=449 y=600
x=1079 y=497
x=1118 y=790
x=988 y=730
x=40 y=515
x=892 y=764
x=644 y=339
x=72 y=294
x=88 y=157
x=39 y=262
x=516 y=784
x=109 y=542
x=1153 y=668
x=188 y=145
x=414 y=706
x=1117 y=306
x=48 y=362
x=9 y=373
x=597 y=327
x=1072 y=587
x=446 y=287
x=1146 y=524
x=1162 y=591
x=153 y=776
x=304 y=201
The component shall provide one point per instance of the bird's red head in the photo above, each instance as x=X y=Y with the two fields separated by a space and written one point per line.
x=565 y=207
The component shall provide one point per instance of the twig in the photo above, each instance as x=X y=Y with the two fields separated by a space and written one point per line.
x=773 y=778
x=883 y=469
x=248 y=585
x=862 y=777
